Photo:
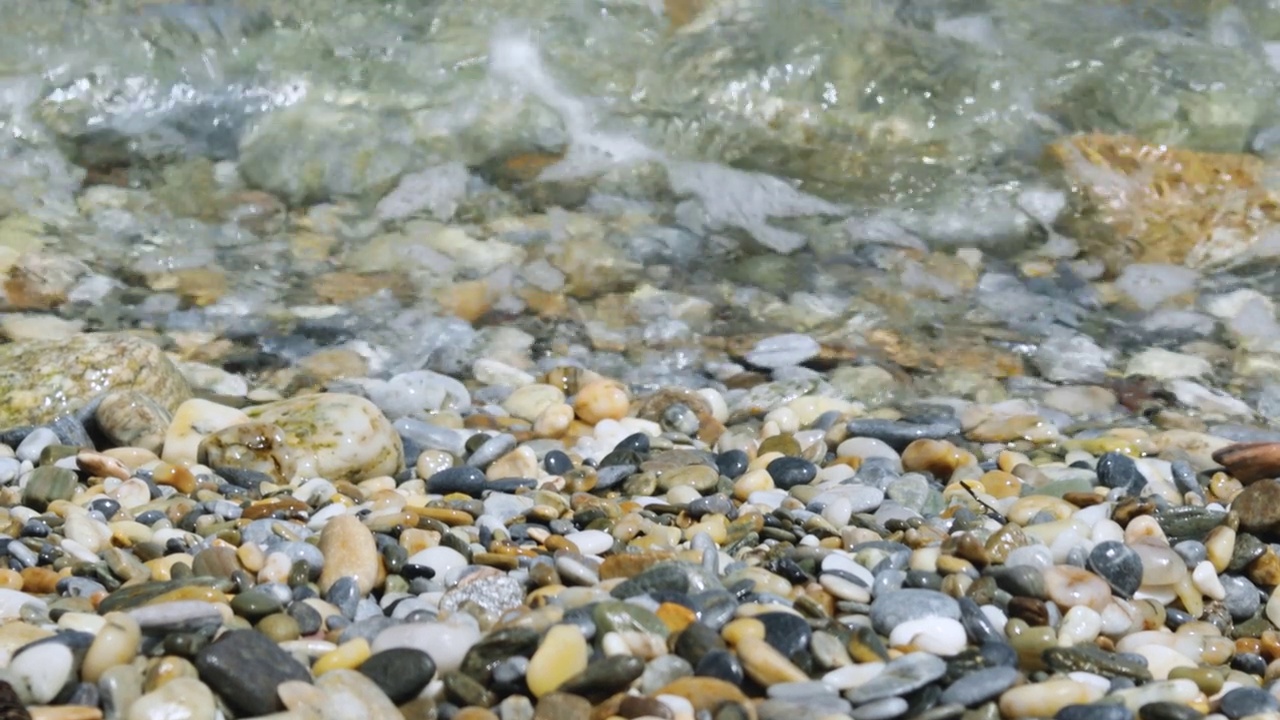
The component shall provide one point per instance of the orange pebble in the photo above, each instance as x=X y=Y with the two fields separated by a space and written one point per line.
x=39 y=581
x=10 y=579
x=675 y=616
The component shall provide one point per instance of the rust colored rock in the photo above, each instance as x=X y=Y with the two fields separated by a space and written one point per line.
x=1250 y=462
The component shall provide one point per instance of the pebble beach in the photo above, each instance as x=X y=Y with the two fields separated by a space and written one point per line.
x=672 y=360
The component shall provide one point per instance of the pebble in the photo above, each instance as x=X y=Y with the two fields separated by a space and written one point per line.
x=980 y=686
x=349 y=551
x=336 y=436
x=562 y=654
x=178 y=699
x=1047 y=698
x=244 y=668
x=893 y=608
x=899 y=677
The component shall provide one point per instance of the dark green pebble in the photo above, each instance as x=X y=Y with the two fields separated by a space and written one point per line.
x=463 y=690
x=400 y=673
x=1165 y=710
x=255 y=605
x=604 y=678
x=495 y=647
x=47 y=484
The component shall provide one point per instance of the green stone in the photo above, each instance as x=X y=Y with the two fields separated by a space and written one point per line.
x=279 y=627
x=137 y=595
x=255 y=605
x=622 y=617
x=48 y=484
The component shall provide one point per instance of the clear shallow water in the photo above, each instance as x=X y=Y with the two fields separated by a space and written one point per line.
x=730 y=166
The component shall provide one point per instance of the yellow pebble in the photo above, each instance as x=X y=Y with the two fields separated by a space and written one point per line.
x=347 y=656
x=735 y=631
x=1001 y=484
x=562 y=654
x=602 y=400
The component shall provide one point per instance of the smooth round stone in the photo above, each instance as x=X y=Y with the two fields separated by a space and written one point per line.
x=722 y=665
x=980 y=686
x=1047 y=698
x=562 y=654
x=788 y=634
x=1242 y=599
x=464 y=479
x=401 y=673
x=179 y=699
x=343 y=594
x=352 y=691
x=34 y=443
x=440 y=559
x=662 y=671
x=347 y=436
x=557 y=462
x=279 y=627
x=447 y=642
x=256 y=604
x=45 y=669
x=899 y=677
x=935 y=635
x=116 y=644
x=591 y=542
x=1243 y=701
x=895 y=607
x=732 y=463
x=1116 y=470
x=604 y=678
x=349 y=551
x=789 y=472
x=1119 y=565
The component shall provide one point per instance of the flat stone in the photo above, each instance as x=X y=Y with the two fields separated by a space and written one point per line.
x=899 y=677
x=244 y=668
x=980 y=686
x=42 y=379
x=1243 y=701
x=895 y=607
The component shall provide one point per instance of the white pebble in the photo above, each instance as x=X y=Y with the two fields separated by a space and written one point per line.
x=441 y=559
x=1106 y=530
x=45 y=668
x=838 y=511
x=935 y=635
x=719 y=408
x=590 y=542
x=851 y=676
x=1081 y=624
x=681 y=709
x=35 y=442
x=1205 y=578
x=844 y=563
x=1162 y=659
